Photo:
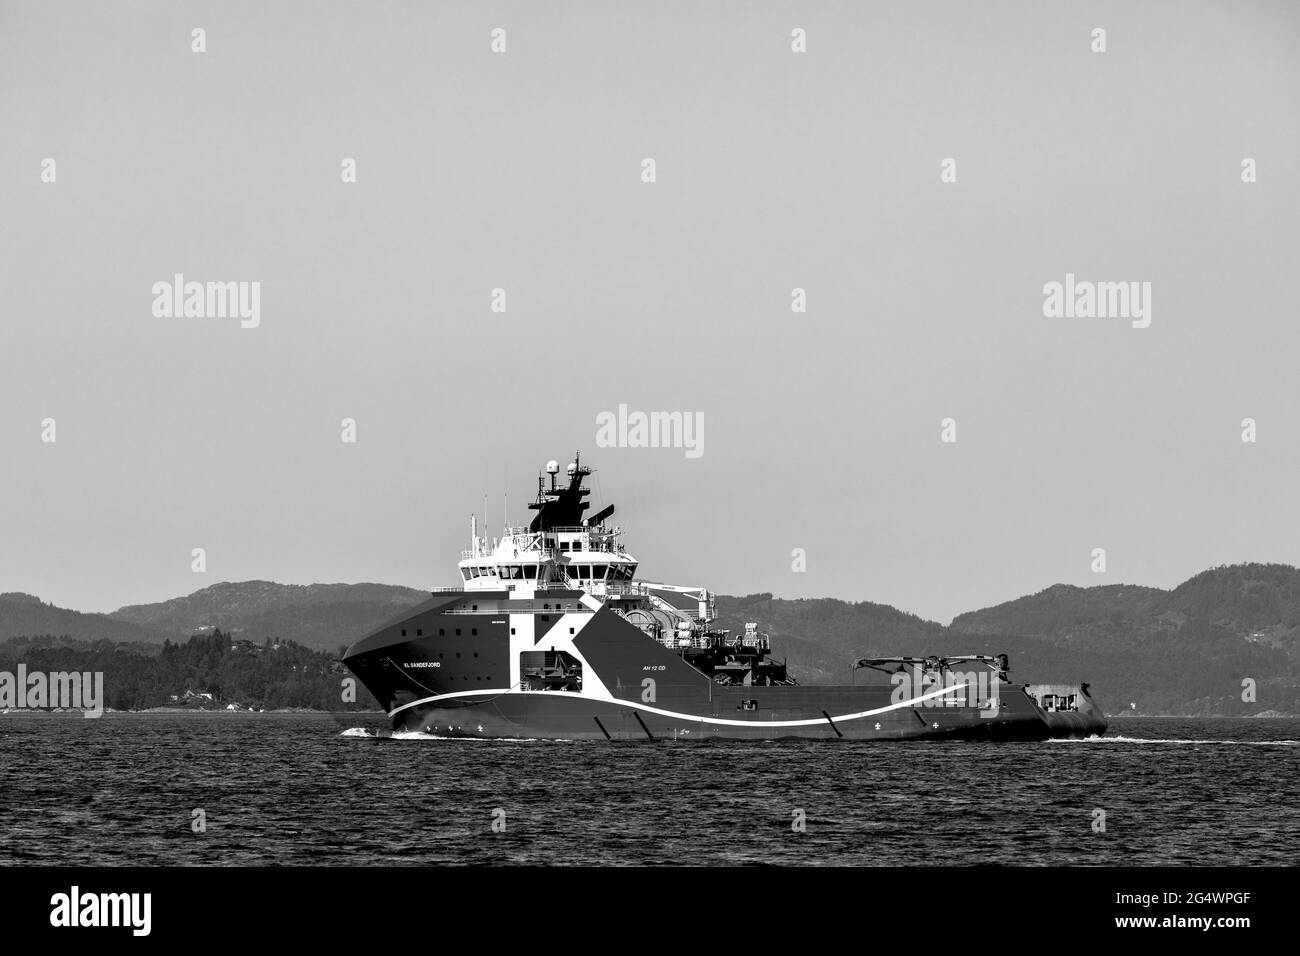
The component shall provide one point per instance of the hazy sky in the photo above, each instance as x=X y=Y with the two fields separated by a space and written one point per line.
x=775 y=170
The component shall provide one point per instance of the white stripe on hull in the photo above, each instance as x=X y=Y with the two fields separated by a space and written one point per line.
x=721 y=721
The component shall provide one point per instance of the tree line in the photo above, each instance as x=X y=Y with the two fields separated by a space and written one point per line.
x=273 y=674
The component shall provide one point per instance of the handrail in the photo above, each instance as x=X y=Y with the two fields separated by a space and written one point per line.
x=544 y=554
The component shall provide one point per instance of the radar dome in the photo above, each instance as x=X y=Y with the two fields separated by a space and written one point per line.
x=552 y=467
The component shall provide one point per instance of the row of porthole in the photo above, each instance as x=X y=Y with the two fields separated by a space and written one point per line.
x=442 y=632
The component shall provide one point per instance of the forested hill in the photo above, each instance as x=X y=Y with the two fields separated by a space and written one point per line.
x=321 y=616
x=23 y=615
x=1184 y=651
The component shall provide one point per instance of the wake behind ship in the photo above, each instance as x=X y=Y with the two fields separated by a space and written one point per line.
x=551 y=635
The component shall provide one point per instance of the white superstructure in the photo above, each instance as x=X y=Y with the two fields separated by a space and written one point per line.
x=529 y=562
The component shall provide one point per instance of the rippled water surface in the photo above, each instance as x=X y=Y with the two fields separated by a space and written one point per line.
x=292 y=789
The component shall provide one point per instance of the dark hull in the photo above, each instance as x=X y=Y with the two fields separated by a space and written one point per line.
x=1082 y=716
x=1075 y=725
x=543 y=716
x=455 y=667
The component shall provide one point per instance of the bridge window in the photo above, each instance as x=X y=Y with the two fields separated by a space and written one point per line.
x=530 y=571
x=598 y=571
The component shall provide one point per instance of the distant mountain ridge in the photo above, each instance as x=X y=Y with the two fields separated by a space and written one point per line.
x=25 y=615
x=1186 y=650
x=320 y=616
x=1244 y=599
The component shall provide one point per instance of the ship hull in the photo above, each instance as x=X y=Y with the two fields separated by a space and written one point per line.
x=463 y=664
x=1069 y=709
x=554 y=717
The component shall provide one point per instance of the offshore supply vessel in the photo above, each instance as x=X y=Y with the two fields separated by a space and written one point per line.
x=551 y=635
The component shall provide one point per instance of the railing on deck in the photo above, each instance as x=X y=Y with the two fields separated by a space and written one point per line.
x=490 y=557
